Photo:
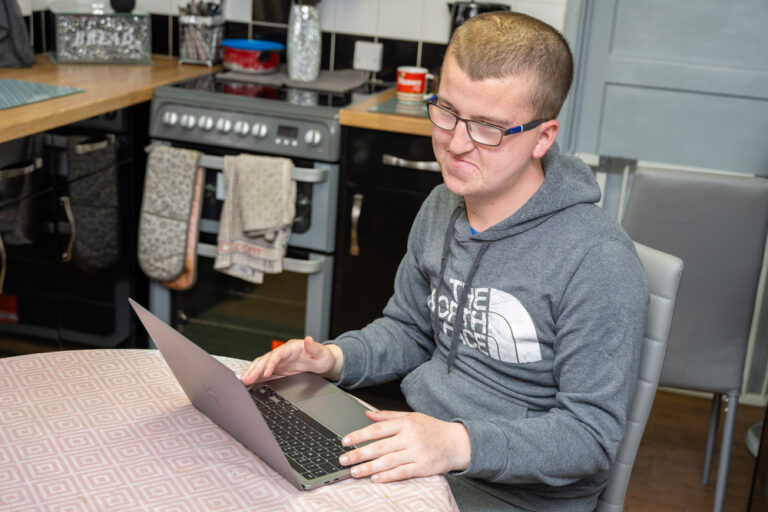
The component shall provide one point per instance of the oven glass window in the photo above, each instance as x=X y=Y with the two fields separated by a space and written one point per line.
x=227 y=316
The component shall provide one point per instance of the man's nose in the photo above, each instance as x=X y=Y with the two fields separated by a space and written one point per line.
x=461 y=142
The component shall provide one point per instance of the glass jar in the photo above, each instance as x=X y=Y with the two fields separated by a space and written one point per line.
x=304 y=43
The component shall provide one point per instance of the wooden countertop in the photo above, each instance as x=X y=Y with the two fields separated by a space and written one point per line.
x=358 y=116
x=107 y=87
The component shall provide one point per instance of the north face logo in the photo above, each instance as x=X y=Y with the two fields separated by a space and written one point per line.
x=495 y=323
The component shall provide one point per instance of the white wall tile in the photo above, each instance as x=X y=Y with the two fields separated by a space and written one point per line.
x=157 y=6
x=39 y=5
x=238 y=10
x=549 y=12
x=26 y=7
x=356 y=17
x=436 y=21
x=328 y=15
x=400 y=19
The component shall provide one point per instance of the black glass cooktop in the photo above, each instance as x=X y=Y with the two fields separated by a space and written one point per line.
x=295 y=95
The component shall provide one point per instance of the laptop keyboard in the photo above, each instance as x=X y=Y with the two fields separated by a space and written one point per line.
x=312 y=449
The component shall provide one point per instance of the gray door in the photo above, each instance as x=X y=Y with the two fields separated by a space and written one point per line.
x=670 y=81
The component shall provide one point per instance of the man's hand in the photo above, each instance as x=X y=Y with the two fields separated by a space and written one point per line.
x=407 y=445
x=296 y=356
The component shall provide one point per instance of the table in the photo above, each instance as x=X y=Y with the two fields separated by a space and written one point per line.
x=112 y=430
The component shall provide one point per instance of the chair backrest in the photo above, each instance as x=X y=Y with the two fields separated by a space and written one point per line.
x=717 y=224
x=663 y=273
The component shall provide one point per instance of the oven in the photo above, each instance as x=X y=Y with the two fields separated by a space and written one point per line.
x=225 y=315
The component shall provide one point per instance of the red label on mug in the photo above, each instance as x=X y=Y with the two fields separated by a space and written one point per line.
x=411 y=82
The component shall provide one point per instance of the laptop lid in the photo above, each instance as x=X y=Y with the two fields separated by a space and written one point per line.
x=219 y=394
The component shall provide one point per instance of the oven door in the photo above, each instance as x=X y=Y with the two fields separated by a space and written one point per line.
x=231 y=317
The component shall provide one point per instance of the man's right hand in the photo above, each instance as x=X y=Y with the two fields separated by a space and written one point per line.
x=296 y=356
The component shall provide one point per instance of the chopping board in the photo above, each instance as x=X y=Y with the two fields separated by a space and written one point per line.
x=14 y=93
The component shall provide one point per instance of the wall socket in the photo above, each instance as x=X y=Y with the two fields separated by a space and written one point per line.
x=367 y=56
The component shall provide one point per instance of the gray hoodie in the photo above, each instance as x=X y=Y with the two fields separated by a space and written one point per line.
x=542 y=366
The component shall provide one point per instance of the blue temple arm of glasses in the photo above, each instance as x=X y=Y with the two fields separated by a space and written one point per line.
x=432 y=98
x=524 y=127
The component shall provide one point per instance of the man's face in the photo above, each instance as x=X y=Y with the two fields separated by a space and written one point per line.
x=479 y=172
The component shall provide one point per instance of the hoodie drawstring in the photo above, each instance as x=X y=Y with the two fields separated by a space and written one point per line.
x=458 y=323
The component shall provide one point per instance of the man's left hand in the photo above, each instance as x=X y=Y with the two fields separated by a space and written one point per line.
x=407 y=445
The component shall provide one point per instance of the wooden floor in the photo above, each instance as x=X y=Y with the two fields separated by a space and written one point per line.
x=668 y=469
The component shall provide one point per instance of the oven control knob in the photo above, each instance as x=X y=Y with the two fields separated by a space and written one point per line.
x=188 y=121
x=259 y=130
x=170 y=117
x=313 y=137
x=205 y=123
x=224 y=125
x=242 y=128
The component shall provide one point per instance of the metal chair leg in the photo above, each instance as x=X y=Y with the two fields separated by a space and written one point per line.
x=714 y=420
x=725 y=451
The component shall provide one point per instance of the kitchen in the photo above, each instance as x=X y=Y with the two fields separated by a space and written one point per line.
x=344 y=23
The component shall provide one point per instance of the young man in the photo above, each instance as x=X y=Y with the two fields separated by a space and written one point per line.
x=519 y=307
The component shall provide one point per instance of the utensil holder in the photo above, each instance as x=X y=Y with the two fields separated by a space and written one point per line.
x=200 y=39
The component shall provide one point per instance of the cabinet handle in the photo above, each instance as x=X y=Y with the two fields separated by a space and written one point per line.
x=86 y=147
x=67 y=255
x=357 y=208
x=396 y=161
x=25 y=168
x=4 y=263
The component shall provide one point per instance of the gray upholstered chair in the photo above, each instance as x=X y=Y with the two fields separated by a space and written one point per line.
x=663 y=273
x=717 y=224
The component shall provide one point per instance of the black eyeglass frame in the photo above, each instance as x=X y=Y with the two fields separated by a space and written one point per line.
x=504 y=131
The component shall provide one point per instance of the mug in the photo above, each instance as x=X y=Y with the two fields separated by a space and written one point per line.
x=412 y=83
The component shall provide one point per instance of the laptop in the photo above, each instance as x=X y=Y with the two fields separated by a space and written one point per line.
x=294 y=424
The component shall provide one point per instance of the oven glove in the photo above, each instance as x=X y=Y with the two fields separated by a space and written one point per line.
x=249 y=254
x=93 y=196
x=169 y=188
x=188 y=276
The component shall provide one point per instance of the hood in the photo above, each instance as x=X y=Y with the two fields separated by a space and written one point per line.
x=568 y=181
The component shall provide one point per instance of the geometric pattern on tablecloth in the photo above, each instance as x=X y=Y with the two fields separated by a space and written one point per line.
x=98 y=430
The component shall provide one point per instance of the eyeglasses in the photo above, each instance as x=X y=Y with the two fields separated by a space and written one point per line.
x=481 y=132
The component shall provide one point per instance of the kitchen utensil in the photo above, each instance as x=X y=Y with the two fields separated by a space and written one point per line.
x=252 y=55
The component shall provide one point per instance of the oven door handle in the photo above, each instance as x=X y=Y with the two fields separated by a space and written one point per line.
x=302 y=174
x=289 y=264
x=419 y=165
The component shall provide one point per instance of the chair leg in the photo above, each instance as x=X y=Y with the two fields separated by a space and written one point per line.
x=714 y=420
x=725 y=451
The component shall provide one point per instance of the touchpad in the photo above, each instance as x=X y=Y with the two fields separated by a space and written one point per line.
x=339 y=412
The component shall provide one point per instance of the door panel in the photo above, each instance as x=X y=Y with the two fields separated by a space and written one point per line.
x=670 y=81
x=364 y=282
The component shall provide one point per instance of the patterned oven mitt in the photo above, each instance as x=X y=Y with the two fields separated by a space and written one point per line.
x=169 y=190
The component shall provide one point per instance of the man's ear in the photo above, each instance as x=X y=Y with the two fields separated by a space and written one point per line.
x=547 y=133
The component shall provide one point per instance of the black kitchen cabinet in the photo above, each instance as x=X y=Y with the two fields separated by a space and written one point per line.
x=385 y=178
x=68 y=217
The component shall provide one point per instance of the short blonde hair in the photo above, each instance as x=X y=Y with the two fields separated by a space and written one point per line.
x=504 y=43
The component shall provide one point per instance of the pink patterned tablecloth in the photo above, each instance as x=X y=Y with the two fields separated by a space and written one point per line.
x=112 y=430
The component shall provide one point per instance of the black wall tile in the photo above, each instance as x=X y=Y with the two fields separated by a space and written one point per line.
x=432 y=56
x=396 y=53
x=276 y=34
x=175 y=38
x=38 y=31
x=235 y=30
x=50 y=31
x=160 y=34
x=274 y=11
x=325 y=57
